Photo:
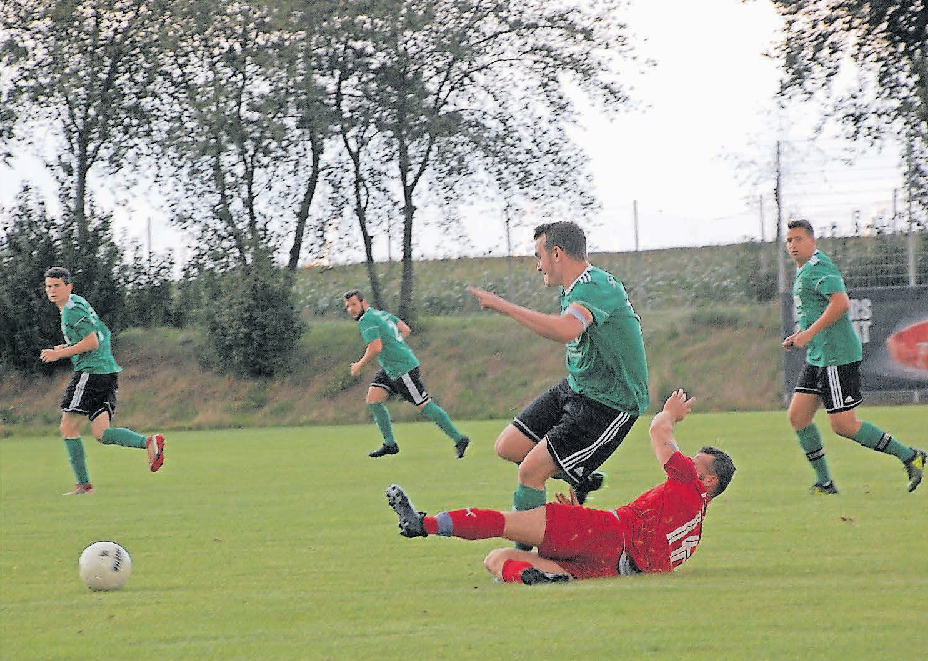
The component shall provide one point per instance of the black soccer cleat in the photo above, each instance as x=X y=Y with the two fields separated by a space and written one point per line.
x=593 y=482
x=461 y=446
x=410 y=520
x=534 y=576
x=828 y=489
x=915 y=468
x=384 y=450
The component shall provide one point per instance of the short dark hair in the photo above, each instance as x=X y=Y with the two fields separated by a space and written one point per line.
x=564 y=234
x=351 y=293
x=59 y=272
x=722 y=467
x=803 y=224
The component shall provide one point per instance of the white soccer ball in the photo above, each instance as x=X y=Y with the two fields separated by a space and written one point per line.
x=105 y=566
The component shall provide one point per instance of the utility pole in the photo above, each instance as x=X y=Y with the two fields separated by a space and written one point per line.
x=777 y=193
x=635 y=219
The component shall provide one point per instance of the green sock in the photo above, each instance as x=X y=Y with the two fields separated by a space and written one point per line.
x=875 y=438
x=75 y=449
x=382 y=417
x=437 y=414
x=527 y=498
x=811 y=443
x=123 y=437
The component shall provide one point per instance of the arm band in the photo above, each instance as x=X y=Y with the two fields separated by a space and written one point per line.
x=574 y=312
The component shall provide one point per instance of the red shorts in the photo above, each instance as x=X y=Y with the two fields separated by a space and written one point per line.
x=586 y=542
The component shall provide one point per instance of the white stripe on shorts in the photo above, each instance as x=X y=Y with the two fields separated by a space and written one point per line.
x=79 y=388
x=834 y=386
x=610 y=433
x=417 y=396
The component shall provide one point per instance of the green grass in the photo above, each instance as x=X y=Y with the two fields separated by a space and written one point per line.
x=277 y=544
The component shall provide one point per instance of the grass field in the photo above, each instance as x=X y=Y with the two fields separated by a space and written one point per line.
x=277 y=544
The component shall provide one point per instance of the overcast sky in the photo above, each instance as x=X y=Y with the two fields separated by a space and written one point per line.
x=697 y=158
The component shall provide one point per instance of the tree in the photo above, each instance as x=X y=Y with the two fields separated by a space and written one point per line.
x=887 y=42
x=82 y=72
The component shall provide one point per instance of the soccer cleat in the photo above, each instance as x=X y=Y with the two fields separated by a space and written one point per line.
x=823 y=489
x=410 y=519
x=80 y=490
x=534 y=576
x=915 y=469
x=461 y=446
x=594 y=482
x=155 y=446
x=384 y=450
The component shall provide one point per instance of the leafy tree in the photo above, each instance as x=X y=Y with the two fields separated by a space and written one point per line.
x=32 y=242
x=471 y=96
x=80 y=71
x=887 y=41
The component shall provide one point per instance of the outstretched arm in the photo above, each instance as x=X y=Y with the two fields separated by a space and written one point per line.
x=675 y=409
x=89 y=343
x=560 y=328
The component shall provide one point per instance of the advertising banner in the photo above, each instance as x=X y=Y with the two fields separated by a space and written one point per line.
x=892 y=323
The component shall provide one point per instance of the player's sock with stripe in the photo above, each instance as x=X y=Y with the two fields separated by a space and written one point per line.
x=871 y=436
x=75 y=449
x=382 y=417
x=811 y=442
x=471 y=523
x=437 y=414
x=123 y=437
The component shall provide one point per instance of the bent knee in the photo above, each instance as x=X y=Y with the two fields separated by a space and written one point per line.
x=495 y=560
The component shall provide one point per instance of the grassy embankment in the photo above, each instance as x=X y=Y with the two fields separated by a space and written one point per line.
x=699 y=331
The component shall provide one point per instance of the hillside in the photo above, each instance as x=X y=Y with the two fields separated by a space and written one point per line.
x=477 y=366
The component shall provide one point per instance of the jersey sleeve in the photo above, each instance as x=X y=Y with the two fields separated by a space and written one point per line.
x=590 y=295
x=680 y=468
x=830 y=283
x=370 y=330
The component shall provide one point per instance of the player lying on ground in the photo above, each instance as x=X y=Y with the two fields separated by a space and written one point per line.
x=655 y=533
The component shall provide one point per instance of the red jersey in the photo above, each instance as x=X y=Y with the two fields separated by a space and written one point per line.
x=666 y=521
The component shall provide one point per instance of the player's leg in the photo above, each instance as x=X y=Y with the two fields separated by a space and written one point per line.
x=517 y=566
x=841 y=403
x=103 y=400
x=471 y=523
x=412 y=388
x=71 y=432
x=72 y=415
x=801 y=415
x=377 y=395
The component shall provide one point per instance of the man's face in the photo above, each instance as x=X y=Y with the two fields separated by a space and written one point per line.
x=57 y=291
x=355 y=307
x=546 y=262
x=799 y=245
x=704 y=470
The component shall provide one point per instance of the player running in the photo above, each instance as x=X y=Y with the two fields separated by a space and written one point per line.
x=655 y=533
x=832 y=370
x=570 y=430
x=92 y=390
x=386 y=335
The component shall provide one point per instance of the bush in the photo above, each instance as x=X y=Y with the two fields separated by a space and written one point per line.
x=252 y=324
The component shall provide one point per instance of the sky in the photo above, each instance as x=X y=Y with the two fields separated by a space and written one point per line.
x=695 y=161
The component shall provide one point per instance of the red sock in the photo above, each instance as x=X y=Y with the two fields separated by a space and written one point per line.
x=471 y=523
x=512 y=570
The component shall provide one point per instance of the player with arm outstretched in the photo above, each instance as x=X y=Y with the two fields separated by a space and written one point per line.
x=656 y=532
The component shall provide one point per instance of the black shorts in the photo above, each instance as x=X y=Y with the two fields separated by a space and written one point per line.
x=581 y=433
x=90 y=394
x=409 y=386
x=838 y=386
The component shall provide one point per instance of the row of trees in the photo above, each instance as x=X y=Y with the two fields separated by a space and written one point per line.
x=263 y=120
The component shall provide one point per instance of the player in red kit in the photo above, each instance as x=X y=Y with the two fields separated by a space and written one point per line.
x=655 y=533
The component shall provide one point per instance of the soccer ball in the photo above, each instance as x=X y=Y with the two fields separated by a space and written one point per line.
x=105 y=566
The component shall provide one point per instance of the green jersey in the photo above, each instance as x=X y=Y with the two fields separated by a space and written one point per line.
x=396 y=358
x=78 y=320
x=607 y=362
x=816 y=281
